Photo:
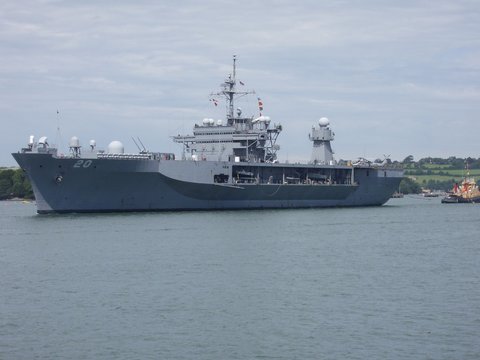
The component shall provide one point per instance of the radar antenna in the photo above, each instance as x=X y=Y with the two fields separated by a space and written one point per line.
x=230 y=93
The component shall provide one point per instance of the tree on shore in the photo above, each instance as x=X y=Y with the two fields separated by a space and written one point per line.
x=409 y=186
x=408 y=160
x=14 y=184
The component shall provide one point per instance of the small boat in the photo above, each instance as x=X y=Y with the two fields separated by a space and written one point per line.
x=429 y=193
x=466 y=192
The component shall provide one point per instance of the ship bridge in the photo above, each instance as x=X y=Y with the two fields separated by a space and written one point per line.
x=241 y=139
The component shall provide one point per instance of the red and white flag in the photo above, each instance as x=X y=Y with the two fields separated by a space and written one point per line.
x=260 y=104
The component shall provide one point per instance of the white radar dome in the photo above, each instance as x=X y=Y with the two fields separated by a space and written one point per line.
x=115 y=147
x=74 y=142
x=323 y=121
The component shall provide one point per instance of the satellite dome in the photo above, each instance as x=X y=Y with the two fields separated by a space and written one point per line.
x=323 y=121
x=74 y=142
x=115 y=147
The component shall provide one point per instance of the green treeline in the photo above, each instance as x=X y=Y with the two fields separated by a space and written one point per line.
x=437 y=173
x=450 y=163
x=14 y=184
x=409 y=186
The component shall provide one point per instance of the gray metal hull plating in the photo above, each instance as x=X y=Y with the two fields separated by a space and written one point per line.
x=105 y=185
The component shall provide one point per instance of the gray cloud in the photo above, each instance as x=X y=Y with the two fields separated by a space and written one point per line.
x=396 y=78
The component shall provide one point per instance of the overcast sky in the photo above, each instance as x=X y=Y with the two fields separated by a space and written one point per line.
x=394 y=77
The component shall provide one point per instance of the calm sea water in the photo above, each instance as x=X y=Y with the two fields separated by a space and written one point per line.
x=400 y=281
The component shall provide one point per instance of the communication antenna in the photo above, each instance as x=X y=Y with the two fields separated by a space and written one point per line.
x=139 y=149
x=141 y=143
x=230 y=92
x=58 y=137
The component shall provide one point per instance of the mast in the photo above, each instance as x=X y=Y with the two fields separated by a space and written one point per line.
x=251 y=138
x=230 y=92
x=321 y=136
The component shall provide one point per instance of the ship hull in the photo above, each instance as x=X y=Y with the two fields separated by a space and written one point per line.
x=63 y=185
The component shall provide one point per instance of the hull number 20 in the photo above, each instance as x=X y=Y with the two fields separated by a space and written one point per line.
x=82 y=163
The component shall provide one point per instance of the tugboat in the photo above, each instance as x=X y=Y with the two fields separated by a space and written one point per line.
x=466 y=192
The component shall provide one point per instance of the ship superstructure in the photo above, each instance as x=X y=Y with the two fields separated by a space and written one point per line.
x=321 y=136
x=241 y=139
x=229 y=164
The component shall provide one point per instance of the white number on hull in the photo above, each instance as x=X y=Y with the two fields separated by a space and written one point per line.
x=82 y=163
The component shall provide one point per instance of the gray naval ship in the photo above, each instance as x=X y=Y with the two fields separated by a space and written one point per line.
x=224 y=165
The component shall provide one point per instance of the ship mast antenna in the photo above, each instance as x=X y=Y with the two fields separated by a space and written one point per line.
x=230 y=92
x=141 y=143
x=234 y=66
x=139 y=149
x=58 y=139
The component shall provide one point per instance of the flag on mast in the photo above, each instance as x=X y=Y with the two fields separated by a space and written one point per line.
x=260 y=104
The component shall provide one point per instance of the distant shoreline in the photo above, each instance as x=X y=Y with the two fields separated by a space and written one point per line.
x=16 y=199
